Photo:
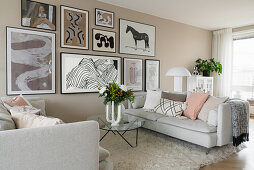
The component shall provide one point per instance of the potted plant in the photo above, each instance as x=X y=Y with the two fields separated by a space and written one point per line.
x=113 y=95
x=208 y=66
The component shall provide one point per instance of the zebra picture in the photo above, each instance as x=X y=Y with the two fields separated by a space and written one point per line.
x=104 y=41
x=74 y=28
x=86 y=73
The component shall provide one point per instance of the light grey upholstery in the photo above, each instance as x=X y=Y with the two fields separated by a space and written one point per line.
x=6 y=122
x=195 y=125
x=194 y=131
x=60 y=147
x=143 y=114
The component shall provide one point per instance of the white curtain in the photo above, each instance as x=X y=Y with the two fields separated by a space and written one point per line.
x=222 y=51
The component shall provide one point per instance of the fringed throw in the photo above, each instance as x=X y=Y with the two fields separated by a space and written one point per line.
x=240 y=121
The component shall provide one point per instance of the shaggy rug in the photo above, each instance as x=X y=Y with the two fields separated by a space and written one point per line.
x=160 y=152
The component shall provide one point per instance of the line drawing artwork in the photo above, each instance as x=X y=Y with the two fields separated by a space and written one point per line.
x=133 y=73
x=30 y=62
x=137 y=36
x=92 y=74
x=105 y=41
x=107 y=20
x=73 y=30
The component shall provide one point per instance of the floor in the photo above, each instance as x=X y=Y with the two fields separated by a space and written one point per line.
x=241 y=160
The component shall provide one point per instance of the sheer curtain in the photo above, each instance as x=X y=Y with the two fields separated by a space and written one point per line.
x=222 y=51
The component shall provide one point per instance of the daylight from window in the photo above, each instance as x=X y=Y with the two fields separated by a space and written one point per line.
x=243 y=68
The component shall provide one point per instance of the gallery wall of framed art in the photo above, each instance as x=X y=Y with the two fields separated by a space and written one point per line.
x=82 y=73
x=30 y=58
x=152 y=74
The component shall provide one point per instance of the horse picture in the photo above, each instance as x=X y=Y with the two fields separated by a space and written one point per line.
x=136 y=38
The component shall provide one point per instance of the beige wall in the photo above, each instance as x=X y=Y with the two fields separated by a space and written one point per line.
x=176 y=45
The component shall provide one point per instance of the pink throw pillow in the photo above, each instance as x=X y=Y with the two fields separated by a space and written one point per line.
x=194 y=104
x=17 y=101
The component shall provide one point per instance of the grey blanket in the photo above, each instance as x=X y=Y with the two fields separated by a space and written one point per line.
x=240 y=121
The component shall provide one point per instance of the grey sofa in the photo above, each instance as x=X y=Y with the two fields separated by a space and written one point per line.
x=193 y=131
x=61 y=147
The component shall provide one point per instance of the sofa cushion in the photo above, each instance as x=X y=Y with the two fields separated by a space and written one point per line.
x=211 y=103
x=39 y=104
x=181 y=97
x=139 y=102
x=143 y=114
x=152 y=99
x=6 y=122
x=194 y=104
x=195 y=125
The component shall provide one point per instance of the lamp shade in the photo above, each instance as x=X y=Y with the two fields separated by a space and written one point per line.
x=178 y=72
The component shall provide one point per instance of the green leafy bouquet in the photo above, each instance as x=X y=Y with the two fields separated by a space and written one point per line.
x=116 y=93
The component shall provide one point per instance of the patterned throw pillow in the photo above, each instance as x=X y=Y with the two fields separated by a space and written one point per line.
x=170 y=107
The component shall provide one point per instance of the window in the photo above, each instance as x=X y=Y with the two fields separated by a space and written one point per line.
x=243 y=67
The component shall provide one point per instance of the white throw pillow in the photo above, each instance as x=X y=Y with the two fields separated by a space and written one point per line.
x=211 y=104
x=170 y=107
x=212 y=117
x=29 y=120
x=152 y=99
x=139 y=102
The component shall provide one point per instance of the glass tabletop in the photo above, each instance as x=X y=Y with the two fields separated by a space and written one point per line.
x=126 y=126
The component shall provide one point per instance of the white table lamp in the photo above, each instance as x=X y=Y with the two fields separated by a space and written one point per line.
x=178 y=73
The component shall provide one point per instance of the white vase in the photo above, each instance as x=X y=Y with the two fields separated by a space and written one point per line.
x=114 y=114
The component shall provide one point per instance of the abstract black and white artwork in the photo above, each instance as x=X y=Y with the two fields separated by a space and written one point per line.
x=152 y=77
x=104 y=41
x=82 y=73
x=136 y=38
x=74 y=28
x=104 y=18
x=133 y=73
x=30 y=61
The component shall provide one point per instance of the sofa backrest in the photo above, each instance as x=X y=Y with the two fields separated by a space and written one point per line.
x=181 y=97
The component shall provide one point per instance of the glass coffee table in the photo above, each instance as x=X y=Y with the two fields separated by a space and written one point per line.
x=121 y=129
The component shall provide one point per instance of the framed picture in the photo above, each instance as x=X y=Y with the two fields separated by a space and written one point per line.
x=133 y=73
x=104 y=18
x=152 y=77
x=104 y=41
x=74 y=28
x=38 y=15
x=136 y=38
x=30 y=61
x=81 y=73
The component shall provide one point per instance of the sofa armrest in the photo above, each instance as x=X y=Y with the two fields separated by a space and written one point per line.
x=60 y=147
x=224 y=127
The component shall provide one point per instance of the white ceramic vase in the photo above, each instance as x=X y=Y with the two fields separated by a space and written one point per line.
x=111 y=115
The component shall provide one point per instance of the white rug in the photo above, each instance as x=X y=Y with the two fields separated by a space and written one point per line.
x=160 y=152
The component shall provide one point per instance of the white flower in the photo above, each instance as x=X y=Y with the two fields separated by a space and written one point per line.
x=102 y=90
x=124 y=88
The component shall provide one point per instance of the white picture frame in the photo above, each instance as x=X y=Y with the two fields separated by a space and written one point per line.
x=104 y=41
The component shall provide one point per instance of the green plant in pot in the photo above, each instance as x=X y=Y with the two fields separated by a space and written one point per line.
x=208 y=66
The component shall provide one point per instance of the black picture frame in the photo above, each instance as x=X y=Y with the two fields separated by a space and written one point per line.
x=124 y=73
x=93 y=39
x=95 y=17
x=102 y=56
x=61 y=28
x=54 y=15
x=146 y=74
x=53 y=65
x=119 y=41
